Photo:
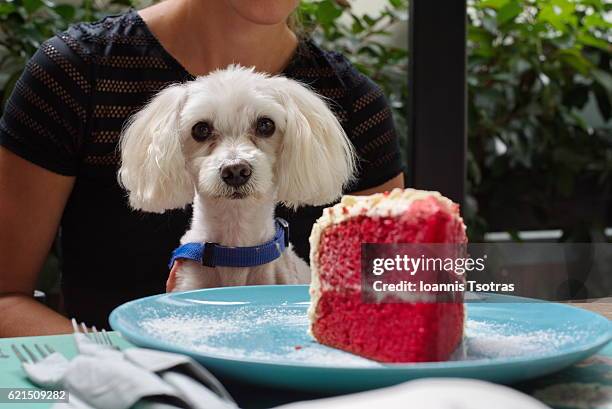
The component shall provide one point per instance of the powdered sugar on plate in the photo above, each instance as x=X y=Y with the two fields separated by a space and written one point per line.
x=279 y=335
x=250 y=334
x=493 y=340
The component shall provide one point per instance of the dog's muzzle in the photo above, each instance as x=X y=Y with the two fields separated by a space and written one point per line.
x=236 y=175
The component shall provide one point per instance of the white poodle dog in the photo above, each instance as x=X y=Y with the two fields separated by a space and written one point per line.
x=235 y=143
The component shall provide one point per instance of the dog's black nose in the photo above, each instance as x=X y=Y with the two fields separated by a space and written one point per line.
x=236 y=175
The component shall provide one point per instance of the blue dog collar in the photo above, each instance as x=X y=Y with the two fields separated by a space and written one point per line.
x=214 y=254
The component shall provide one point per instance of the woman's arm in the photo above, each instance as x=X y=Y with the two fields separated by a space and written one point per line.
x=32 y=201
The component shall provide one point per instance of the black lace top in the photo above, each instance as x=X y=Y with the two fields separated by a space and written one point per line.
x=66 y=114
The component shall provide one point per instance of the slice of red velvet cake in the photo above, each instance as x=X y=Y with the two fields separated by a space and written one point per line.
x=418 y=331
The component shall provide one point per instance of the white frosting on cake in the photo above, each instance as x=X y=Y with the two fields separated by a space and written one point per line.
x=388 y=204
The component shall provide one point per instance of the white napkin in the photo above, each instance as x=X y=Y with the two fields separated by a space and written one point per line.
x=112 y=383
x=449 y=393
x=194 y=394
x=48 y=372
x=167 y=363
x=102 y=377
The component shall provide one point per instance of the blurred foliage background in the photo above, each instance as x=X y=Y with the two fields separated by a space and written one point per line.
x=539 y=106
x=539 y=96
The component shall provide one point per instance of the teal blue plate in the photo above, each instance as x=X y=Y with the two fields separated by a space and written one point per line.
x=259 y=334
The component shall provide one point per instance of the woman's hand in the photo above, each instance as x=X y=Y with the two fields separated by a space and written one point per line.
x=32 y=201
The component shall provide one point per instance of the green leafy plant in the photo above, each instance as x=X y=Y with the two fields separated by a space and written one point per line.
x=25 y=24
x=540 y=96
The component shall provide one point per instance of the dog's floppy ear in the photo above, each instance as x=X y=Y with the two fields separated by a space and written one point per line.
x=316 y=158
x=153 y=167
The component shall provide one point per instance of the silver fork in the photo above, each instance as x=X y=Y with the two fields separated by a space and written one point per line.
x=99 y=337
x=3 y=355
x=30 y=357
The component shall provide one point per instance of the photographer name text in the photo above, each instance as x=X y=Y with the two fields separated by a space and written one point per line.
x=457 y=286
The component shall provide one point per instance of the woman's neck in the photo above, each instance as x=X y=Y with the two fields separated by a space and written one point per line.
x=206 y=35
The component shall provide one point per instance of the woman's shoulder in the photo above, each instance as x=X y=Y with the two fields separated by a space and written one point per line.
x=78 y=88
x=93 y=41
x=318 y=66
x=331 y=74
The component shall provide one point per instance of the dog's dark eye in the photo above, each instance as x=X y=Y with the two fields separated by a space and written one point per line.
x=201 y=131
x=265 y=127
